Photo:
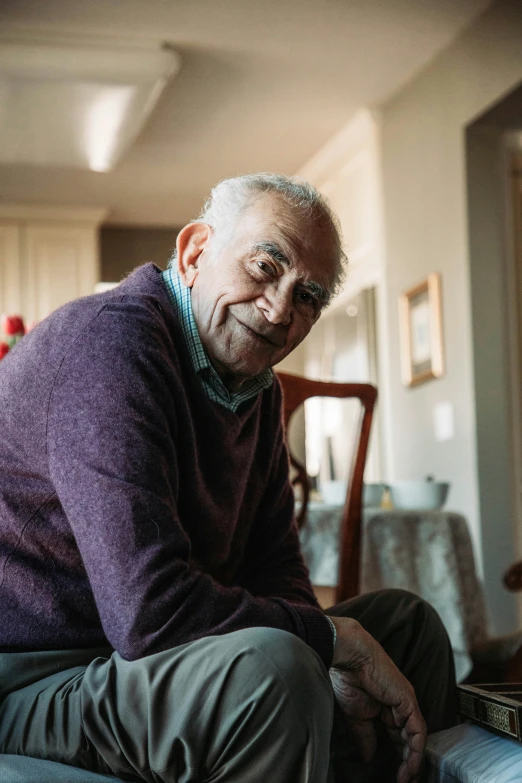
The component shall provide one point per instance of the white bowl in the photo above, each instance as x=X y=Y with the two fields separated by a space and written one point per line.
x=419 y=495
x=372 y=495
x=334 y=492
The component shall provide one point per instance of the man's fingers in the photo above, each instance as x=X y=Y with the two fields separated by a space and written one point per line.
x=365 y=738
x=394 y=732
x=413 y=755
x=356 y=704
x=407 y=716
x=410 y=767
x=407 y=729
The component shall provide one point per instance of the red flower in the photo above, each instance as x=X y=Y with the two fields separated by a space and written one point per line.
x=13 y=324
x=30 y=326
x=4 y=348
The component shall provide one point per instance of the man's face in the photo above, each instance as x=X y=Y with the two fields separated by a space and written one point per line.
x=256 y=297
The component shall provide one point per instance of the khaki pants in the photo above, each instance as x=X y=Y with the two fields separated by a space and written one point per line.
x=254 y=705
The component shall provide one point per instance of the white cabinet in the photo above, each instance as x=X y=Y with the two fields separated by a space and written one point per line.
x=48 y=256
x=10 y=278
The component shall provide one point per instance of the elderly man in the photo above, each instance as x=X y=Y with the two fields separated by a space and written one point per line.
x=158 y=622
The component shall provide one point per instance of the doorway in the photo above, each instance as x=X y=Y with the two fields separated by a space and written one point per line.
x=514 y=279
x=495 y=308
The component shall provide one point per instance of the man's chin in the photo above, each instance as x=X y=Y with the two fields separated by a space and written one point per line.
x=236 y=373
x=247 y=370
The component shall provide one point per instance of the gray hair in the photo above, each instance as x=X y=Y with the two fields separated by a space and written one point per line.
x=230 y=197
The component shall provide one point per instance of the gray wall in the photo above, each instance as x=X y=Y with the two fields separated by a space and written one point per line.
x=426 y=224
x=122 y=248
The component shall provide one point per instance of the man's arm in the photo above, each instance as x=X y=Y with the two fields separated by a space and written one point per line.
x=274 y=564
x=112 y=456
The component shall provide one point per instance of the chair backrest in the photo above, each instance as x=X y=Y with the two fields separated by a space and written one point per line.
x=295 y=391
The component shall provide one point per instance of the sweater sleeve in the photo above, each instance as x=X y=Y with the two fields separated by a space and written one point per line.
x=275 y=564
x=111 y=439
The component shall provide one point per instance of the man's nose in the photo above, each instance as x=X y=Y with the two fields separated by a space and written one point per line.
x=277 y=304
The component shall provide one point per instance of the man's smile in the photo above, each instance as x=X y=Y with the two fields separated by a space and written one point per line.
x=272 y=338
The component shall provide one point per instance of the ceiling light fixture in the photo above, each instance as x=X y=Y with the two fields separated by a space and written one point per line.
x=78 y=103
x=103 y=125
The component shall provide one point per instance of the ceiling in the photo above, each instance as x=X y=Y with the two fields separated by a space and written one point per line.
x=263 y=85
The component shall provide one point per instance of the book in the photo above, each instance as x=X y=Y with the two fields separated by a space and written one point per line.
x=496 y=706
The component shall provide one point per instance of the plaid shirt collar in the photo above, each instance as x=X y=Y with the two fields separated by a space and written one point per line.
x=215 y=389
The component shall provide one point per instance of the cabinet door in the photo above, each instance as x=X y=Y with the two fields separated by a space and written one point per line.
x=10 y=269
x=62 y=264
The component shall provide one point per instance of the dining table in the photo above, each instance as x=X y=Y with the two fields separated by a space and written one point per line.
x=428 y=552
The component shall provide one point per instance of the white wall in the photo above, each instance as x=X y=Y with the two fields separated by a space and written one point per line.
x=426 y=225
x=348 y=171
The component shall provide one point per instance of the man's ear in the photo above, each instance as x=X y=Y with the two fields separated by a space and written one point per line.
x=190 y=244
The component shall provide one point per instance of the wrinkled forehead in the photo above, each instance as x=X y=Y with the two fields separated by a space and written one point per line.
x=307 y=238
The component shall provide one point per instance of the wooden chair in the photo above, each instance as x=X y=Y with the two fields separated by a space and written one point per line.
x=295 y=391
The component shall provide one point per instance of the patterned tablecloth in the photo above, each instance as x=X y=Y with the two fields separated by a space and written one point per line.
x=426 y=552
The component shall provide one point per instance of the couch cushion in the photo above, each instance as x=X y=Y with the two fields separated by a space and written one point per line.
x=21 y=769
x=470 y=754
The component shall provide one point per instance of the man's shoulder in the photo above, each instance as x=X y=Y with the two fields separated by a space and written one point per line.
x=139 y=302
x=143 y=290
x=126 y=324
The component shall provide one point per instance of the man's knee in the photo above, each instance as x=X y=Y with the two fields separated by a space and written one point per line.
x=424 y=617
x=422 y=631
x=288 y=663
x=396 y=618
x=405 y=604
x=219 y=697
x=278 y=694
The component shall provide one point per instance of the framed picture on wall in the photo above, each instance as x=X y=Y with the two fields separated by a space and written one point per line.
x=421 y=332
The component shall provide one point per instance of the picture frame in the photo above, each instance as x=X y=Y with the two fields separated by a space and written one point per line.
x=420 y=310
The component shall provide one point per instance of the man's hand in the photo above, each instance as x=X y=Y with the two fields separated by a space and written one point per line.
x=367 y=684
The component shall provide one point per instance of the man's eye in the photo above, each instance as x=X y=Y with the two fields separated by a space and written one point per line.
x=304 y=297
x=265 y=267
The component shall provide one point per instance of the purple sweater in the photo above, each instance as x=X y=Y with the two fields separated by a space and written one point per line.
x=133 y=510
